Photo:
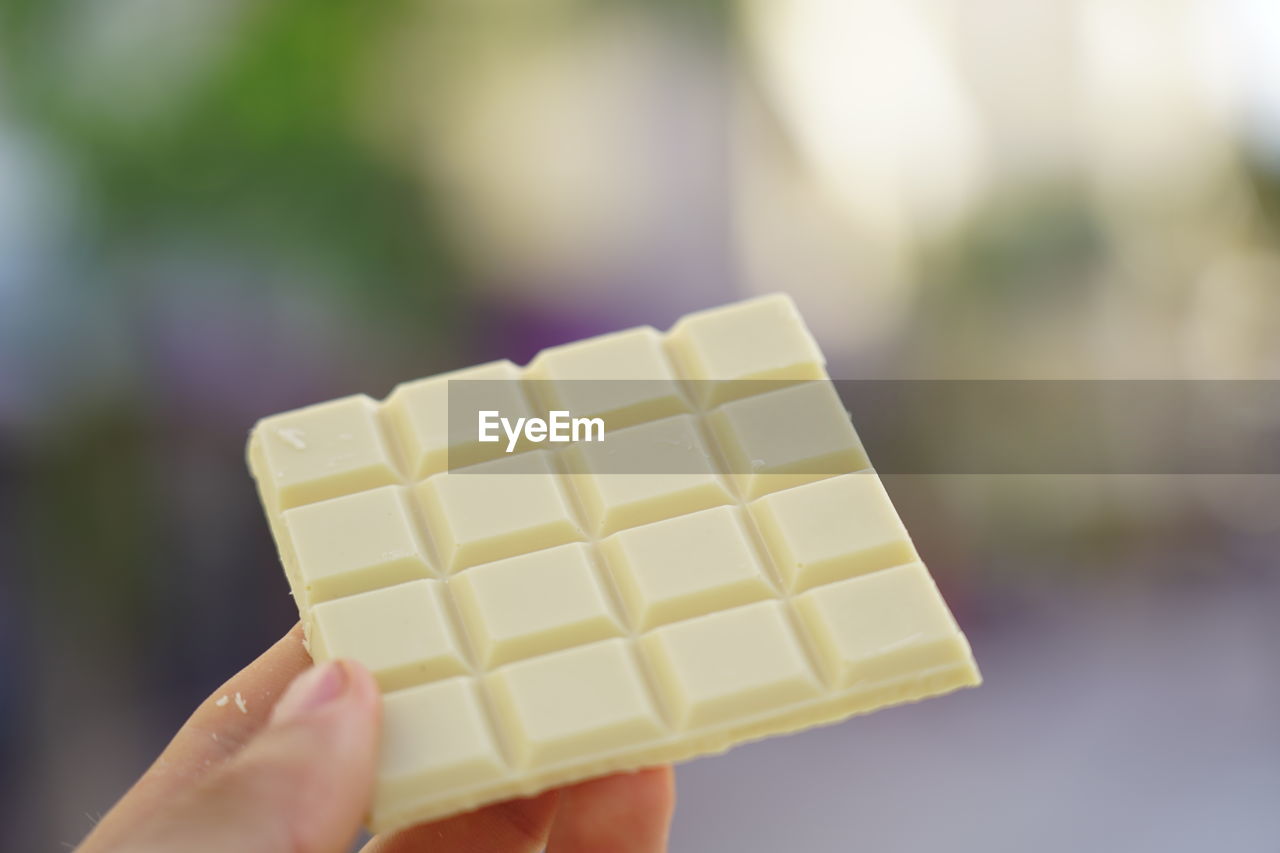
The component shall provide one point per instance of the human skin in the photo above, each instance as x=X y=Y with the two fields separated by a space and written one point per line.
x=294 y=773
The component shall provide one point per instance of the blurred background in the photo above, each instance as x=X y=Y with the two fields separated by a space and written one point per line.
x=213 y=210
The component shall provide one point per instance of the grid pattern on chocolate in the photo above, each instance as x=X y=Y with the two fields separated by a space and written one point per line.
x=662 y=665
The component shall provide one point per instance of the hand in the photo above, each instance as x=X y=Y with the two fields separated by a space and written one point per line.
x=298 y=778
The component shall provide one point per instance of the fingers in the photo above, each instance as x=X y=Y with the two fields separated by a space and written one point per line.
x=231 y=715
x=624 y=813
x=516 y=826
x=211 y=734
x=302 y=785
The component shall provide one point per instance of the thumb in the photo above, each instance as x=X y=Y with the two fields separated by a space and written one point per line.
x=302 y=785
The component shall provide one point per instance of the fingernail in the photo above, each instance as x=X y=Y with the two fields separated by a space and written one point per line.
x=316 y=687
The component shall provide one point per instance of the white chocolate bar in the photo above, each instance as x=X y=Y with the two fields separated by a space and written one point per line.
x=723 y=566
